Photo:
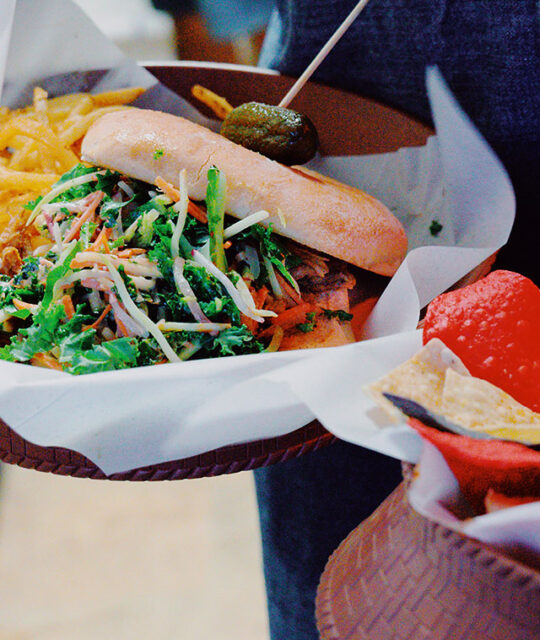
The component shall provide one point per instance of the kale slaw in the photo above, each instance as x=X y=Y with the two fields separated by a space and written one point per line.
x=127 y=274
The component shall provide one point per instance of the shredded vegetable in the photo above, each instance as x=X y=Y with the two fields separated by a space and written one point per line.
x=229 y=286
x=138 y=315
x=181 y=208
x=245 y=223
x=59 y=189
x=215 y=204
x=124 y=275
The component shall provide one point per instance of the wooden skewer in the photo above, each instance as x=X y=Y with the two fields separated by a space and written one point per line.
x=322 y=54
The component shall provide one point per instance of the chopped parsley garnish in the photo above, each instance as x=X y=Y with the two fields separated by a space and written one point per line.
x=158 y=153
x=306 y=327
x=435 y=227
x=338 y=313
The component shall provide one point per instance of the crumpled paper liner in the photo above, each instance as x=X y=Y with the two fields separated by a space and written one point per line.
x=436 y=495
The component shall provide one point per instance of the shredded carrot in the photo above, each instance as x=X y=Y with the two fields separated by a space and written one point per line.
x=86 y=215
x=102 y=239
x=277 y=305
x=296 y=297
x=97 y=322
x=293 y=316
x=197 y=212
x=75 y=228
x=360 y=313
x=46 y=361
x=129 y=253
x=121 y=326
x=20 y=305
x=259 y=296
x=169 y=190
x=227 y=244
x=252 y=325
x=82 y=260
x=68 y=306
x=77 y=263
x=277 y=337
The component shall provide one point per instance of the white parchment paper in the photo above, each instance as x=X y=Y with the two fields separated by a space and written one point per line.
x=435 y=494
x=127 y=419
x=7 y=9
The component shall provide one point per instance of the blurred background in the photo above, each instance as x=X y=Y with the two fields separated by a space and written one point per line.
x=83 y=559
x=216 y=30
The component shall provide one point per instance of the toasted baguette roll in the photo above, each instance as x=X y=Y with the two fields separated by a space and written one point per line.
x=305 y=206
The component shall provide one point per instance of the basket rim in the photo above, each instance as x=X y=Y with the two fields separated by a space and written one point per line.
x=340 y=598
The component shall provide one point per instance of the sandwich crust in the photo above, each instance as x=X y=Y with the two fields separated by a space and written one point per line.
x=305 y=206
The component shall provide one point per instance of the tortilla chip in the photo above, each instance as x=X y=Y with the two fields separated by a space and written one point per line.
x=481 y=406
x=506 y=467
x=496 y=501
x=421 y=378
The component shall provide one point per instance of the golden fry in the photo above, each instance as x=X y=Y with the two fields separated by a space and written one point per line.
x=23 y=157
x=37 y=145
x=26 y=181
x=40 y=99
x=84 y=105
x=218 y=104
x=41 y=133
x=82 y=124
x=117 y=97
x=60 y=108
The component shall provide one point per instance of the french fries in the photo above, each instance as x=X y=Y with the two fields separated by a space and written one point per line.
x=39 y=143
x=219 y=105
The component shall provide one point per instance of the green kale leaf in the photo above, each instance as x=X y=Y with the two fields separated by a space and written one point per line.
x=114 y=354
x=338 y=313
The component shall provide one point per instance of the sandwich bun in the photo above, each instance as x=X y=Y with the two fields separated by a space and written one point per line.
x=304 y=206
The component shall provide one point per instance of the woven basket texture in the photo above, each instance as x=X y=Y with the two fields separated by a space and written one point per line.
x=399 y=576
x=241 y=457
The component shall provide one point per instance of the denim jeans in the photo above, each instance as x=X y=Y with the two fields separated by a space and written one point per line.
x=307 y=506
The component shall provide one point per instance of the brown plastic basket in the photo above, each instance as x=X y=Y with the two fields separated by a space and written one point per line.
x=399 y=576
x=347 y=124
x=241 y=457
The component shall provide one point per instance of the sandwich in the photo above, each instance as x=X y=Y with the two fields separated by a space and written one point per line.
x=172 y=242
